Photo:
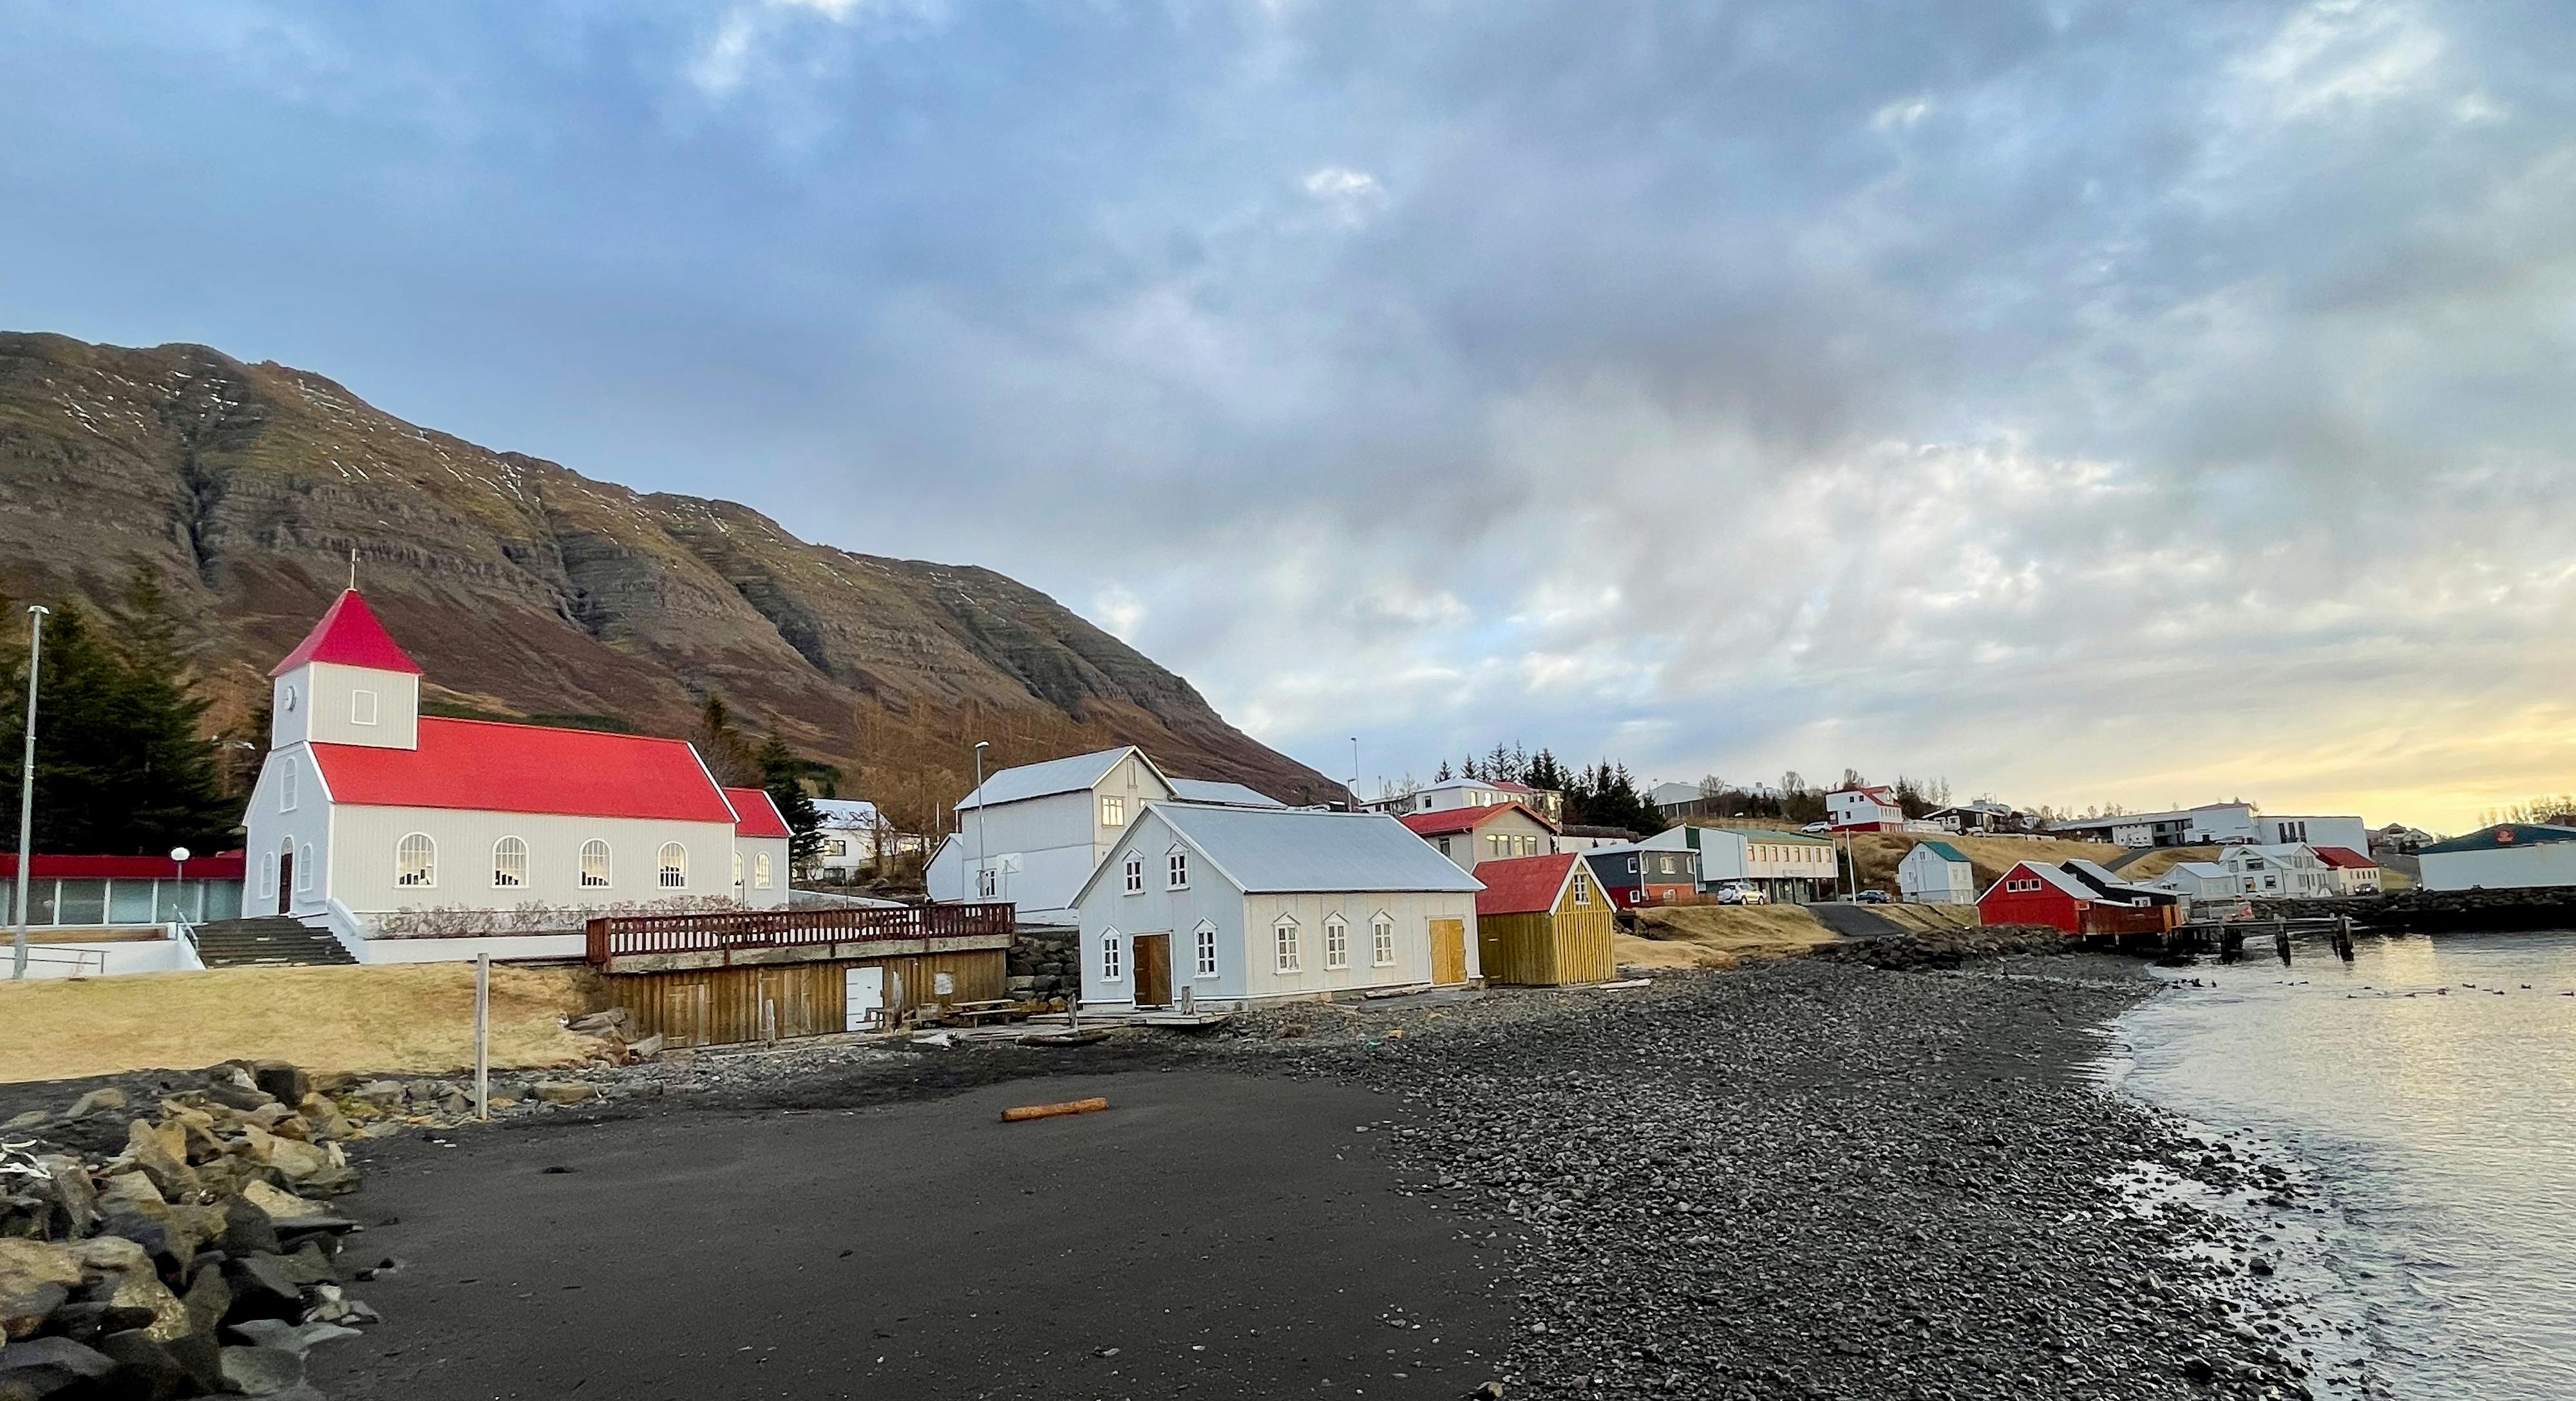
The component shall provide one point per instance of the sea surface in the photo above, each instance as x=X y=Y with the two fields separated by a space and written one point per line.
x=2429 y=1086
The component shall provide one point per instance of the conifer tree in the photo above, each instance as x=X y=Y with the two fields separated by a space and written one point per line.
x=783 y=775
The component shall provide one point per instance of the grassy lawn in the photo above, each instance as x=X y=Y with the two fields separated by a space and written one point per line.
x=410 y=1017
x=1719 y=936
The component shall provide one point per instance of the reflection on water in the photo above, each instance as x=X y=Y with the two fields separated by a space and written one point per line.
x=2430 y=1082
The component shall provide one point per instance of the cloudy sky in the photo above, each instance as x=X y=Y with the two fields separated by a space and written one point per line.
x=2085 y=402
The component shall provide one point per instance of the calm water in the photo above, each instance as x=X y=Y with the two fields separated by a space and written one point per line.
x=2443 y=1123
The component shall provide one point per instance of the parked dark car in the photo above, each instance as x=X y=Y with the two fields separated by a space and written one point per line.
x=1872 y=897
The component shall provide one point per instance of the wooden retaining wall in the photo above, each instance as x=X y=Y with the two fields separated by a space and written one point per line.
x=720 y=1005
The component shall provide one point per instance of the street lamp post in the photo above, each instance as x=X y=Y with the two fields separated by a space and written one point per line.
x=980 y=746
x=27 y=787
x=179 y=885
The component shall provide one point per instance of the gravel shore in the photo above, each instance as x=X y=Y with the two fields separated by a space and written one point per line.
x=1806 y=1179
x=1812 y=1180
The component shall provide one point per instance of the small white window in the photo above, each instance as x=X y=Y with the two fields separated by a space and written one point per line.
x=286 y=767
x=1110 y=968
x=290 y=698
x=594 y=863
x=1135 y=871
x=1207 y=950
x=760 y=870
x=509 y=863
x=987 y=883
x=1337 y=942
x=268 y=874
x=416 y=861
x=1283 y=937
x=737 y=870
x=1382 y=935
x=671 y=871
x=362 y=707
x=1582 y=889
x=1113 y=810
x=1179 y=869
x=304 y=867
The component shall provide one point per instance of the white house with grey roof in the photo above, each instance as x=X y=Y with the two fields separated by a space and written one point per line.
x=1032 y=834
x=1227 y=907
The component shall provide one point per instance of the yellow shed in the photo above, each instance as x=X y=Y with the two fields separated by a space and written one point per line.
x=1541 y=920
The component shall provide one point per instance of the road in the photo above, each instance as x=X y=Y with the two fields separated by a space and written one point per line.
x=1854 y=921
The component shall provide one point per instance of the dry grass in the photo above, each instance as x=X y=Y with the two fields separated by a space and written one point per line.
x=406 y=1017
x=2164 y=858
x=1877 y=853
x=1929 y=919
x=1719 y=936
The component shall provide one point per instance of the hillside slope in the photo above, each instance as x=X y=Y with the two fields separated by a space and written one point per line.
x=527 y=589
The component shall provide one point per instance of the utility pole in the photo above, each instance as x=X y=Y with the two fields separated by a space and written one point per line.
x=27 y=786
x=979 y=820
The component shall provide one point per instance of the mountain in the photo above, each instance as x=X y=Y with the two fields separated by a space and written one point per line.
x=529 y=590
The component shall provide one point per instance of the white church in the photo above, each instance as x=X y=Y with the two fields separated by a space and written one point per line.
x=417 y=838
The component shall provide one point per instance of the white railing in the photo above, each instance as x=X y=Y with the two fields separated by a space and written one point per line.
x=77 y=959
x=346 y=926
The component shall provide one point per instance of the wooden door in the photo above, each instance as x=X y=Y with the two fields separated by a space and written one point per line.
x=286 y=880
x=1153 y=970
x=1448 y=951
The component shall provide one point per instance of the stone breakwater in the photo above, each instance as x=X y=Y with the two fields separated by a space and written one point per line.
x=1823 y=1181
x=183 y=1251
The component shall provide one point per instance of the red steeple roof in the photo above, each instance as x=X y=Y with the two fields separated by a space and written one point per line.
x=349 y=635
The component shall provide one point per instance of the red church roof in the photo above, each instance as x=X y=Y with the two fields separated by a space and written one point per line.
x=349 y=635
x=756 y=814
x=1445 y=821
x=480 y=764
x=1524 y=885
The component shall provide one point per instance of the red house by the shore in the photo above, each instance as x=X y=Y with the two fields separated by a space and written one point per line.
x=2041 y=892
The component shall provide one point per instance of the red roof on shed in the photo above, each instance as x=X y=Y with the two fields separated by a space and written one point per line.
x=218 y=865
x=494 y=767
x=757 y=814
x=2345 y=858
x=1522 y=885
x=349 y=635
x=1450 y=820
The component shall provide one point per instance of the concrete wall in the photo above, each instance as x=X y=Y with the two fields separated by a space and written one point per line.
x=2504 y=868
x=85 y=958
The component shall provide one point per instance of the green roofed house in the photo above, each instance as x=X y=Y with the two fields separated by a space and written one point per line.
x=1936 y=873
x=2516 y=855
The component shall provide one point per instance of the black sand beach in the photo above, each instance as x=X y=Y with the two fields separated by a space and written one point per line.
x=1797 y=1180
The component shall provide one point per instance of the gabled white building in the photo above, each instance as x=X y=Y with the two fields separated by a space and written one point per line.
x=1031 y=835
x=403 y=833
x=1870 y=809
x=2285 y=871
x=1450 y=793
x=1210 y=906
x=855 y=837
x=1936 y=873
x=2195 y=880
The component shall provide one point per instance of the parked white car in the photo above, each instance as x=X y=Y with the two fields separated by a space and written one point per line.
x=1742 y=895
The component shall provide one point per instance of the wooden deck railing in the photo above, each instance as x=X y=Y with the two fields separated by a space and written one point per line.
x=754 y=929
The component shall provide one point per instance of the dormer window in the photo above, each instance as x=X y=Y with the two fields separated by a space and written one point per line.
x=362 y=707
